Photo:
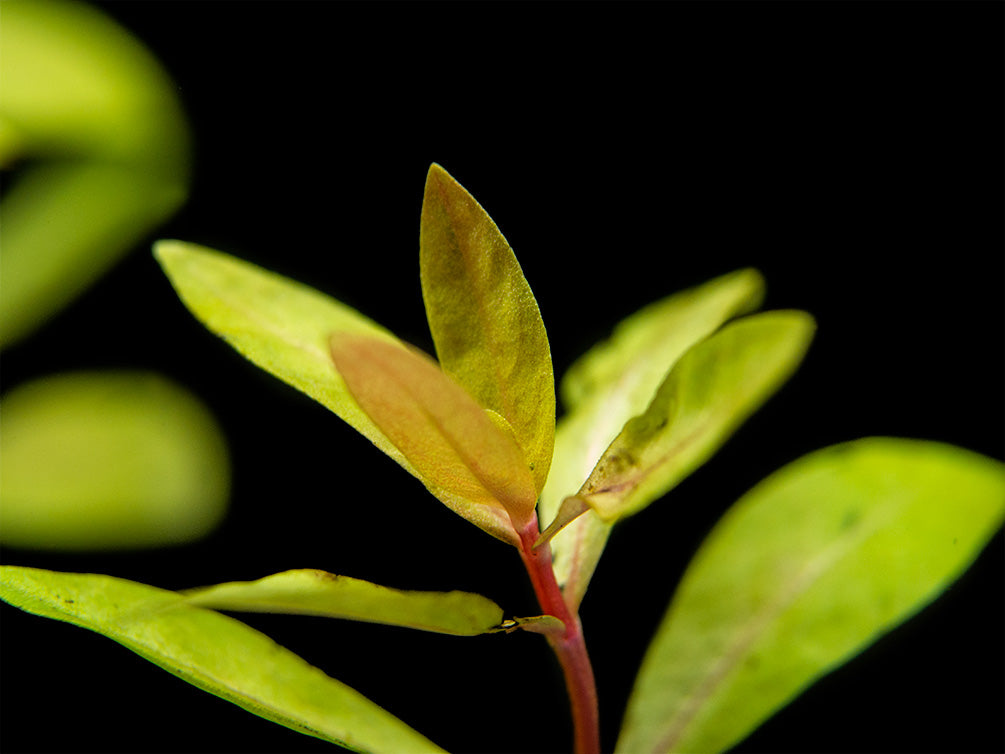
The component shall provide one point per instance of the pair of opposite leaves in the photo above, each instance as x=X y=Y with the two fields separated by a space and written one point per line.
x=478 y=429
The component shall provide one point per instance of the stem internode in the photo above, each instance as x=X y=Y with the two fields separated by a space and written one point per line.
x=569 y=647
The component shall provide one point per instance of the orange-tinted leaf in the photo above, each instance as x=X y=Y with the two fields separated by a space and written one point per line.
x=462 y=456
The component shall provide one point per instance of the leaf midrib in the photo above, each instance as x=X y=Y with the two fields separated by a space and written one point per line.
x=486 y=323
x=745 y=638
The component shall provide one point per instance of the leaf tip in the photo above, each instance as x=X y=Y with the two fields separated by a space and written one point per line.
x=806 y=323
x=165 y=247
x=572 y=508
x=437 y=178
x=546 y=625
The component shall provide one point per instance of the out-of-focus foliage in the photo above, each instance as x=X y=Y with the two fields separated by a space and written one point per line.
x=98 y=148
x=108 y=460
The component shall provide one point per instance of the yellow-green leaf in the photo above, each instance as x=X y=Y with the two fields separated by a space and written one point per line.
x=78 y=86
x=101 y=460
x=462 y=456
x=714 y=387
x=483 y=317
x=216 y=653
x=102 y=151
x=276 y=323
x=806 y=570
x=311 y=592
x=612 y=383
x=645 y=345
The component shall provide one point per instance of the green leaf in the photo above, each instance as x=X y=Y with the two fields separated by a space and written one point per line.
x=805 y=571
x=483 y=317
x=278 y=324
x=99 y=460
x=102 y=147
x=214 y=652
x=77 y=86
x=715 y=386
x=612 y=383
x=310 y=592
x=646 y=344
x=462 y=456
x=64 y=226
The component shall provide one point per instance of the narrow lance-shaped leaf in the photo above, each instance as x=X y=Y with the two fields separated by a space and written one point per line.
x=276 y=323
x=312 y=592
x=214 y=652
x=483 y=317
x=706 y=396
x=645 y=345
x=805 y=571
x=612 y=383
x=462 y=456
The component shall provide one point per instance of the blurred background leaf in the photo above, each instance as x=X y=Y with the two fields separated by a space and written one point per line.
x=99 y=144
x=108 y=460
x=95 y=149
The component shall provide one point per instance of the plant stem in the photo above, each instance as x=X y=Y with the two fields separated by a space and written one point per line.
x=569 y=646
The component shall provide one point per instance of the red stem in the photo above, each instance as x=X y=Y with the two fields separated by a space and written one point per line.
x=569 y=646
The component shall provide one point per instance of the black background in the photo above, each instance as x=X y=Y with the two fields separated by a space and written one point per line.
x=852 y=152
